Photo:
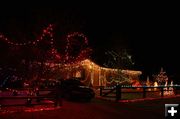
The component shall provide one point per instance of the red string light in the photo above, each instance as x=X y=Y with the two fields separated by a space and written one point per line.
x=46 y=31
x=68 y=49
x=66 y=58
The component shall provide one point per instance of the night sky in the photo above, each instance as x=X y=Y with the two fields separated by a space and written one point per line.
x=150 y=34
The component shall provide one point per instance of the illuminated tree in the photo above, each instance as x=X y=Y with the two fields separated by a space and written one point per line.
x=162 y=77
x=32 y=56
x=119 y=61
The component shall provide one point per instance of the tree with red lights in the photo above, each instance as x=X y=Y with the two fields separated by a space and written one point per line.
x=34 y=56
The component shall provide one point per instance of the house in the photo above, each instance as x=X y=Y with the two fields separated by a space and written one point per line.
x=95 y=75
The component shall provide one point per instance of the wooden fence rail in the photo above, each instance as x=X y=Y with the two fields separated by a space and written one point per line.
x=142 y=89
x=54 y=97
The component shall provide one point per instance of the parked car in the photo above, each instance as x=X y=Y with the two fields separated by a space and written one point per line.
x=75 y=90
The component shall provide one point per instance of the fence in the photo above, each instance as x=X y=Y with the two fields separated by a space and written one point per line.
x=27 y=100
x=117 y=91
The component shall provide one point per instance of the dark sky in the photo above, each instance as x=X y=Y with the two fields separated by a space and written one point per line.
x=150 y=34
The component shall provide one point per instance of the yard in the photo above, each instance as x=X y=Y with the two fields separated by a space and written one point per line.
x=97 y=109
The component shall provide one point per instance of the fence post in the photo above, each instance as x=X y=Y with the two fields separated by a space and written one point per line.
x=29 y=100
x=144 y=92
x=118 y=92
x=101 y=88
x=58 y=99
x=162 y=92
x=175 y=90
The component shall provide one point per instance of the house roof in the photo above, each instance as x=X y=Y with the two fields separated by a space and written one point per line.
x=92 y=64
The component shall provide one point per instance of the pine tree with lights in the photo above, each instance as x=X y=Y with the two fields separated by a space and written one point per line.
x=162 y=77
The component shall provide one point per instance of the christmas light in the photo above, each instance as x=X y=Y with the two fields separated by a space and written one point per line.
x=67 y=58
x=46 y=31
x=70 y=40
x=70 y=62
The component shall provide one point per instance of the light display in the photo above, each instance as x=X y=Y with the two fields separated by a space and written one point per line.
x=161 y=78
x=72 y=42
x=76 y=51
x=52 y=57
x=46 y=31
x=91 y=73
